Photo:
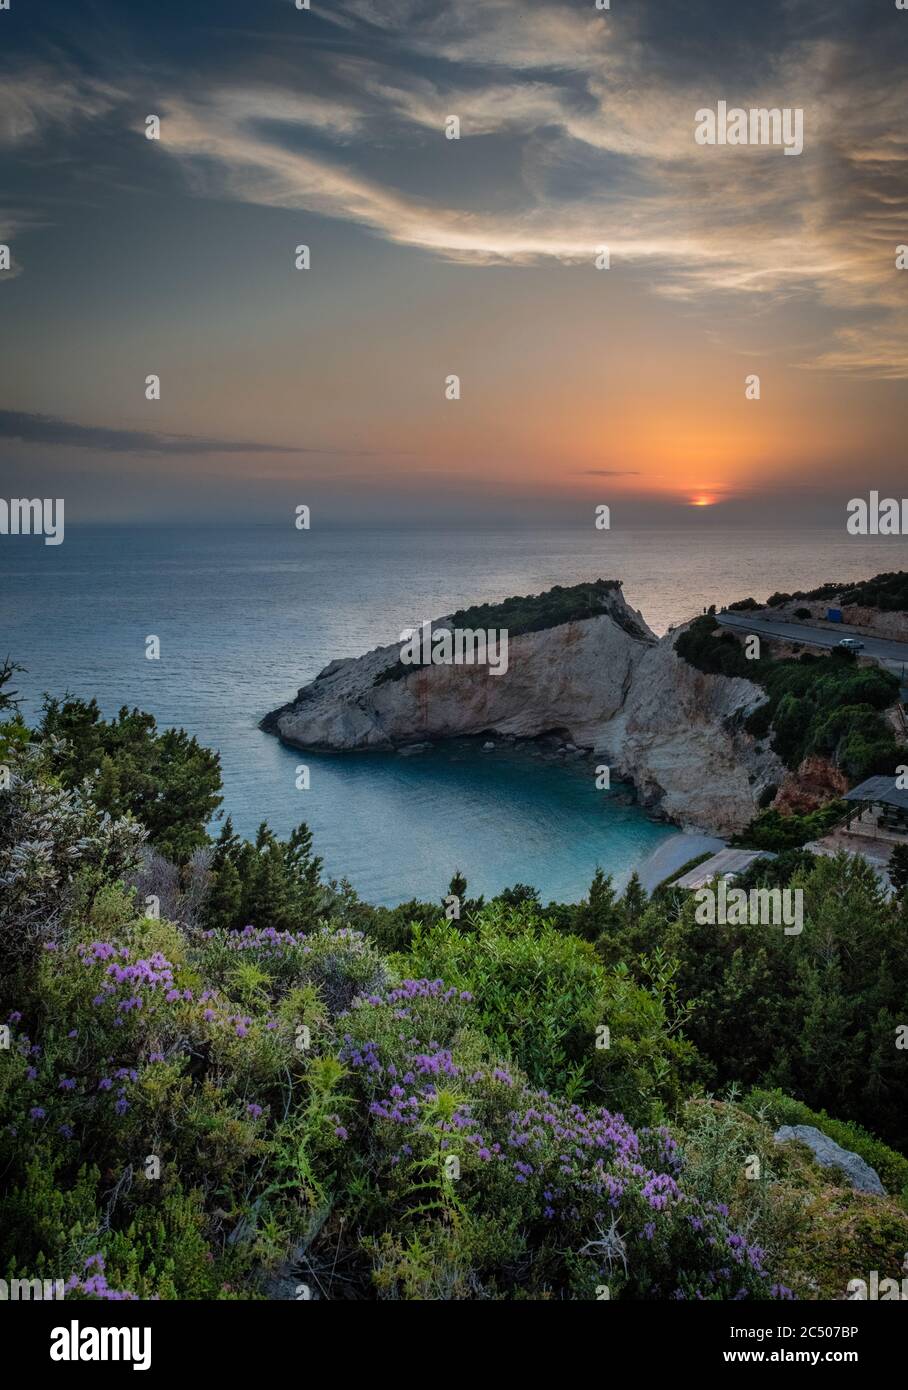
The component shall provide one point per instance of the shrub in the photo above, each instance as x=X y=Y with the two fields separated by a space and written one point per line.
x=831 y=997
x=54 y=844
x=535 y=1194
x=771 y=830
x=707 y=647
x=541 y=996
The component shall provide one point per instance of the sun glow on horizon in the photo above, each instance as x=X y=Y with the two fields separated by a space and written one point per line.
x=702 y=501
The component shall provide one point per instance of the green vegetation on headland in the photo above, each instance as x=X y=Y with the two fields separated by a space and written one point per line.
x=826 y=705
x=227 y=1078
x=887 y=591
x=816 y=705
x=536 y=612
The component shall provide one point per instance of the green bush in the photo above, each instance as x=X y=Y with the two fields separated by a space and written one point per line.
x=542 y=995
x=831 y=997
x=773 y=831
x=814 y=1229
x=825 y=705
x=711 y=649
x=492 y=1189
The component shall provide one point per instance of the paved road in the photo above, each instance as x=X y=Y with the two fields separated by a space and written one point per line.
x=882 y=649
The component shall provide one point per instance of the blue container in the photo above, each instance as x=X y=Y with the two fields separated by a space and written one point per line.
x=833 y=615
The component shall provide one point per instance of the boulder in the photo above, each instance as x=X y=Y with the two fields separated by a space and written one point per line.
x=829 y=1154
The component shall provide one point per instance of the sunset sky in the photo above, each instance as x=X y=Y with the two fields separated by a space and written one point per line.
x=432 y=256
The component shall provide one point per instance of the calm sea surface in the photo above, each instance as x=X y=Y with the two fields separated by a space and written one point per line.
x=247 y=614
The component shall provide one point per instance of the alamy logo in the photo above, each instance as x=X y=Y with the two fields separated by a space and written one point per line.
x=37 y=516
x=75 y=1343
x=28 y=1290
x=760 y=125
x=459 y=646
x=877 y=517
x=876 y=1289
x=761 y=907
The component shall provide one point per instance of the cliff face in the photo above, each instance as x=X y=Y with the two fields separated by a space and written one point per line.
x=680 y=738
x=605 y=682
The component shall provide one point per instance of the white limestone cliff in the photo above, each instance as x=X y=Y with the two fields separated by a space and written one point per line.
x=680 y=738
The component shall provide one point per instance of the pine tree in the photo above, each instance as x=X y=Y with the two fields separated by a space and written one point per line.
x=304 y=874
x=224 y=902
x=633 y=901
x=898 y=868
x=598 y=914
x=457 y=888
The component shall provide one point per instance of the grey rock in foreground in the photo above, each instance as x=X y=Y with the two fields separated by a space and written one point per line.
x=829 y=1154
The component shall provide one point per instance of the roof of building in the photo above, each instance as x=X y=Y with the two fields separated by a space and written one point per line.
x=727 y=861
x=882 y=789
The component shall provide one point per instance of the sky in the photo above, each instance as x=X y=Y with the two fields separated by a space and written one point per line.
x=431 y=257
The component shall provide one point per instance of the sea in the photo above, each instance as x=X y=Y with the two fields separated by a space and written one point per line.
x=246 y=614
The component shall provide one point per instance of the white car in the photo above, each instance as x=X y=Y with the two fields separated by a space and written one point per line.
x=851 y=644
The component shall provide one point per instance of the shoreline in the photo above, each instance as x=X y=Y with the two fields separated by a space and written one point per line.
x=669 y=857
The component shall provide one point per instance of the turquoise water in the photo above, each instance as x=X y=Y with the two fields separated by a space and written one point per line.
x=246 y=615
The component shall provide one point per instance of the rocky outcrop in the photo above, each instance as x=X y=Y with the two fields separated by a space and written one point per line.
x=829 y=1154
x=814 y=784
x=605 y=683
x=680 y=738
x=570 y=678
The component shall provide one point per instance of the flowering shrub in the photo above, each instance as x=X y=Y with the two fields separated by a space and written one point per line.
x=50 y=841
x=812 y=1224
x=132 y=1046
x=187 y=1114
x=119 y=1055
x=507 y=1169
x=338 y=962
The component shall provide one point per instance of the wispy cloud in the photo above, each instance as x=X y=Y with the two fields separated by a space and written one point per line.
x=512 y=34
x=595 y=115
x=33 y=101
x=47 y=429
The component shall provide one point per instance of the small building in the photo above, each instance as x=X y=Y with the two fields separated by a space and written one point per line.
x=878 y=808
x=727 y=863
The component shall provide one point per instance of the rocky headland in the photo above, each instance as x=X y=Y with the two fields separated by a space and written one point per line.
x=582 y=665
